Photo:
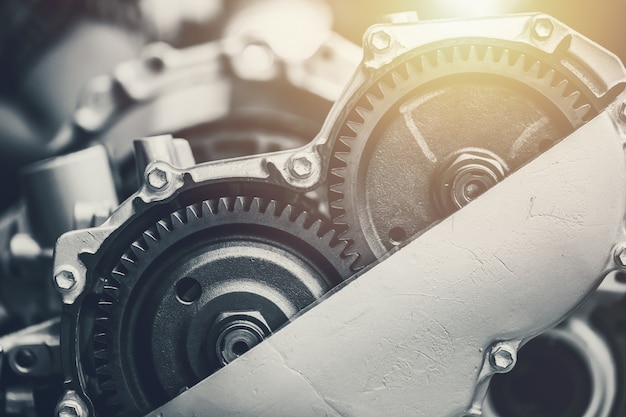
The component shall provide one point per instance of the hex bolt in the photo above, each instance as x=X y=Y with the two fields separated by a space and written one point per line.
x=620 y=256
x=157 y=178
x=543 y=28
x=301 y=167
x=502 y=358
x=71 y=407
x=65 y=280
x=380 y=40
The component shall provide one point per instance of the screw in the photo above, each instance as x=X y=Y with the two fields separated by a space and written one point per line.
x=380 y=40
x=65 y=280
x=543 y=28
x=502 y=358
x=620 y=256
x=301 y=167
x=157 y=178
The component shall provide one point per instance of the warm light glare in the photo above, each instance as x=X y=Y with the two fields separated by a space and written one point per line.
x=472 y=8
x=294 y=29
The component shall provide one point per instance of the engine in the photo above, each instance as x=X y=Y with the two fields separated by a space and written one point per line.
x=432 y=225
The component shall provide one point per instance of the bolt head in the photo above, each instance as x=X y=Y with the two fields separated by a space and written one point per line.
x=543 y=28
x=69 y=411
x=301 y=167
x=65 y=280
x=157 y=178
x=380 y=40
x=502 y=358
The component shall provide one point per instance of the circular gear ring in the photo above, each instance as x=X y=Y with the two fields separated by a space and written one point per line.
x=438 y=128
x=197 y=289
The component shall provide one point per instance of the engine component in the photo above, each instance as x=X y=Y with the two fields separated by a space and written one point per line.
x=197 y=289
x=444 y=123
x=445 y=312
x=155 y=269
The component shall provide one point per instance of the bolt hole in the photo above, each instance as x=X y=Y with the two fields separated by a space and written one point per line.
x=25 y=359
x=188 y=290
x=620 y=277
x=397 y=235
x=240 y=347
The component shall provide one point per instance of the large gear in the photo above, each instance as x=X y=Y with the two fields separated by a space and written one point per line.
x=438 y=128
x=195 y=290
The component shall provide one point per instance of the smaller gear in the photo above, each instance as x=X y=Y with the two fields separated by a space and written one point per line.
x=199 y=288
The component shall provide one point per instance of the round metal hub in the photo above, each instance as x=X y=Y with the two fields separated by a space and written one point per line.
x=469 y=173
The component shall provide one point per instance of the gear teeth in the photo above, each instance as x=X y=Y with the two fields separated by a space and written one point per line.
x=572 y=98
x=520 y=63
x=112 y=285
x=302 y=220
x=117 y=273
x=505 y=58
x=139 y=246
x=342 y=156
x=193 y=211
x=101 y=338
x=105 y=306
x=457 y=54
x=209 y=207
x=582 y=111
x=355 y=126
x=316 y=227
x=151 y=236
x=561 y=87
x=346 y=140
x=440 y=58
x=490 y=55
x=385 y=89
x=104 y=369
x=363 y=114
x=255 y=205
x=548 y=77
x=178 y=217
x=473 y=54
x=372 y=100
x=411 y=70
x=128 y=260
x=396 y=78
x=224 y=205
x=328 y=237
x=287 y=212
x=239 y=204
x=534 y=69
x=272 y=208
x=339 y=172
x=164 y=227
x=101 y=354
x=425 y=63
